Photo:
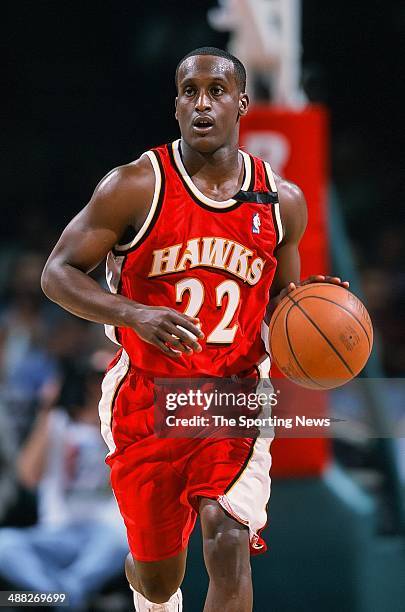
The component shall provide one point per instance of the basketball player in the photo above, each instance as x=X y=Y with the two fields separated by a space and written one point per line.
x=198 y=236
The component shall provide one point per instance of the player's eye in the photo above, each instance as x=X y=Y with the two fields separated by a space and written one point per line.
x=189 y=91
x=217 y=90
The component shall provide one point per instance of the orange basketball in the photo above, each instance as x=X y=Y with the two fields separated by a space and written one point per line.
x=321 y=336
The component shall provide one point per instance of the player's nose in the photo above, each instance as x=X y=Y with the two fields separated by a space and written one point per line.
x=203 y=102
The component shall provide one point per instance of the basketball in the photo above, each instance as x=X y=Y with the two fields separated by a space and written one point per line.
x=321 y=336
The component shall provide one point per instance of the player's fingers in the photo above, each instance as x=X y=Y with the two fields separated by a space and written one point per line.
x=336 y=280
x=167 y=350
x=174 y=341
x=195 y=320
x=321 y=278
x=186 y=337
x=315 y=278
x=290 y=287
x=186 y=322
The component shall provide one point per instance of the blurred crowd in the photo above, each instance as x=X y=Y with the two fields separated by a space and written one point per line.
x=374 y=219
x=60 y=527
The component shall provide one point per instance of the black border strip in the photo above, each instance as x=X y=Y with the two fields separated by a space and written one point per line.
x=119 y=287
x=275 y=225
x=117 y=390
x=273 y=212
x=256 y=197
x=242 y=469
x=157 y=211
x=251 y=186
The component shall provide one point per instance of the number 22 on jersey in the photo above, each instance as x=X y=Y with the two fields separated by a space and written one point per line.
x=222 y=332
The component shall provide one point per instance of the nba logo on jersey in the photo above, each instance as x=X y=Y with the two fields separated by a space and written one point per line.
x=256 y=224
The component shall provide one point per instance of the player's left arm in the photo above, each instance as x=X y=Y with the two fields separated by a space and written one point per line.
x=294 y=218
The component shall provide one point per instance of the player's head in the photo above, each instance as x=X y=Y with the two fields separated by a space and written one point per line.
x=238 y=67
x=211 y=98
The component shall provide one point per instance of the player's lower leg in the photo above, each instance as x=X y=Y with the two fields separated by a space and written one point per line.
x=227 y=558
x=156 y=584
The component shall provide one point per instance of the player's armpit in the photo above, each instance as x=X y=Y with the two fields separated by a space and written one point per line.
x=288 y=268
x=293 y=211
x=294 y=216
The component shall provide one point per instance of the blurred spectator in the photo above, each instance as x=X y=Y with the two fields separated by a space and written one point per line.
x=385 y=299
x=79 y=542
x=25 y=364
x=8 y=450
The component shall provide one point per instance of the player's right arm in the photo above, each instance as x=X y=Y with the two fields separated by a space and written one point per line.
x=121 y=199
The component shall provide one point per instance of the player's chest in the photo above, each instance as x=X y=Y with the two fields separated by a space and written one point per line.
x=240 y=242
x=249 y=227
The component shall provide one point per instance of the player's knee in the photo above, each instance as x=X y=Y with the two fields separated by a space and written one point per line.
x=156 y=584
x=227 y=554
x=161 y=585
x=158 y=591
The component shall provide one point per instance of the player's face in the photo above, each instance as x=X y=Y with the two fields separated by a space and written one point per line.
x=209 y=103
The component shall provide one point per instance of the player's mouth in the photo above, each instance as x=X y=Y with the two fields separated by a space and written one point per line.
x=203 y=124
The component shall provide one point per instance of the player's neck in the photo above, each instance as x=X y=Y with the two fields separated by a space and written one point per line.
x=215 y=168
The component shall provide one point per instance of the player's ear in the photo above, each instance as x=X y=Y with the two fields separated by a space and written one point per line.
x=175 y=106
x=243 y=104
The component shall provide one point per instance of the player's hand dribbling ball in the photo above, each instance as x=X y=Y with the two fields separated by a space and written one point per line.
x=321 y=335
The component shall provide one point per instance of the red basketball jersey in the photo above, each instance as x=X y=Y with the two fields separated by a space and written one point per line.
x=208 y=259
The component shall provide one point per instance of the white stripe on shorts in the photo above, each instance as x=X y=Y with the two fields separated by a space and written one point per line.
x=247 y=498
x=109 y=387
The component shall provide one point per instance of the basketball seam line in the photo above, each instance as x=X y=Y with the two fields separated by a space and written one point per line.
x=322 y=334
x=273 y=322
x=293 y=353
x=288 y=340
x=318 y=297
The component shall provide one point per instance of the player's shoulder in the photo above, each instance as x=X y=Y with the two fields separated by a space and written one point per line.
x=133 y=178
x=293 y=208
x=289 y=193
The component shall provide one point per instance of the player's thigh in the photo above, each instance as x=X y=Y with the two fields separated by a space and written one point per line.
x=148 y=491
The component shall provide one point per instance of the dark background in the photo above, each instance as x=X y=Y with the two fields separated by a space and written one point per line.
x=90 y=86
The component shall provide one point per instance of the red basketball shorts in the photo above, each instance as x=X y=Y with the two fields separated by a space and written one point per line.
x=158 y=482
